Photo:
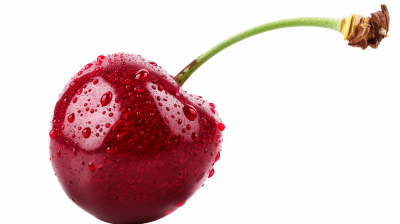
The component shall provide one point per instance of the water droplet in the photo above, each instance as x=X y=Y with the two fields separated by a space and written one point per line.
x=74 y=151
x=106 y=98
x=111 y=114
x=169 y=212
x=95 y=81
x=52 y=134
x=195 y=137
x=80 y=72
x=221 y=126
x=75 y=99
x=212 y=110
x=217 y=157
x=58 y=153
x=153 y=63
x=88 y=65
x=180 y=204
x=110 y=150
x=142 y=75
x=91 y=166
x=212 y=105
x=204 y=121
x=188 y=127
x=79 y=91
x=86 y=132
x=71 y=118
x=190 y=112
x=108 y=125
x=211 y=173
x=100 y=57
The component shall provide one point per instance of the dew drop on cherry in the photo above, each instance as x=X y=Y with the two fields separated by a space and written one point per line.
x=190 y=112
x=211 y=173
x=86 y=132
x=91 y=166
x=100 y=57
x=58 y=153
x=142 y=75
x=153 y=63
x=74 y=151
x=106 y=159
x=110 y=150
x=106 y=98
x=108 y=125
x=217 y=157
x=212 y=110
x=88 y=65
x=169 y=212
x=195 y=137
x=180 y=204
x=221 y=126
x=52 y=134
x=71 y=118
x=212 y=105
x=75 y=99
x=95 y=81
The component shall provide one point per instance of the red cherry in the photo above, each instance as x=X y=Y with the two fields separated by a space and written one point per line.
x=129 y=122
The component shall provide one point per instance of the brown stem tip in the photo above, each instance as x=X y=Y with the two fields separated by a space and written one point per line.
x=369 y=31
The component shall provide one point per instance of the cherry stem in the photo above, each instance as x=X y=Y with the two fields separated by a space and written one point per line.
x=330 y=23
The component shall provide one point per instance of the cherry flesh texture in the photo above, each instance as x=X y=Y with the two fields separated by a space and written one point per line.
x=128 y=144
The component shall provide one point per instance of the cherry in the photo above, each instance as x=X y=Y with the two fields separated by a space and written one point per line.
x=129 y=144
x=149 y=146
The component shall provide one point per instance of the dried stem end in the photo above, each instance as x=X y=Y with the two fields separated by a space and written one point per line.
x=366 y=31
x=345 y=27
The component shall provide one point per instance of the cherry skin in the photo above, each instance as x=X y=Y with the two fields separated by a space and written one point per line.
x=128 y=144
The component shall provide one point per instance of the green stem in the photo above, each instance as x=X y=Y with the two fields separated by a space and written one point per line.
x=330 y=23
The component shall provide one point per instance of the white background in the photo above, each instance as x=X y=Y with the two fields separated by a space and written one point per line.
x=312 y=125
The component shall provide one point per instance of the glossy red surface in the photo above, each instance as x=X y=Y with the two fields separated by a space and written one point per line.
x=128 y=144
